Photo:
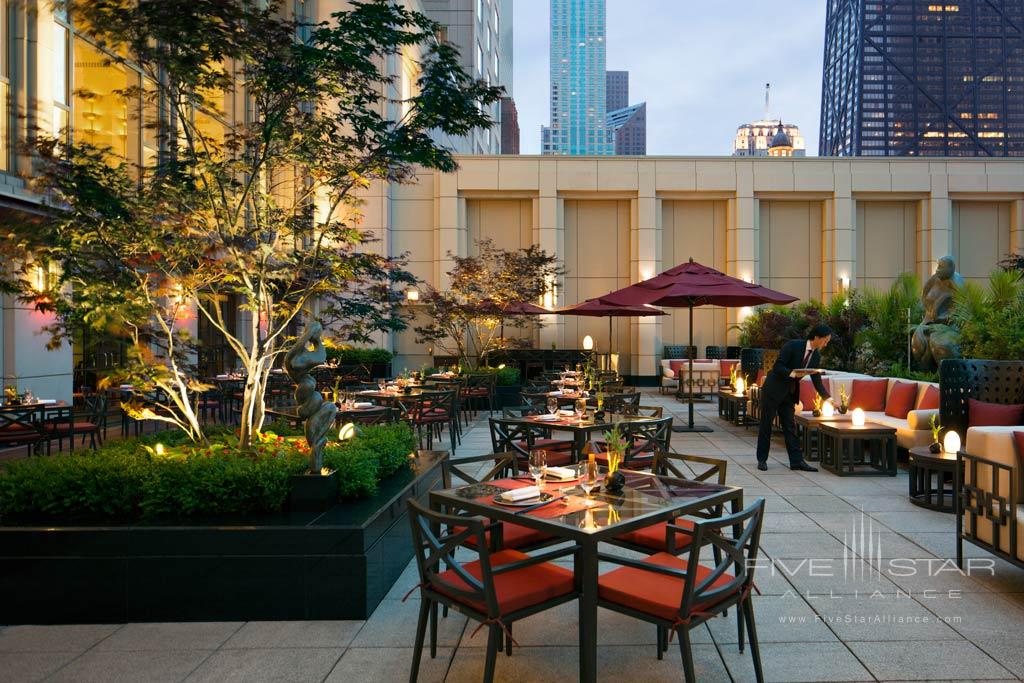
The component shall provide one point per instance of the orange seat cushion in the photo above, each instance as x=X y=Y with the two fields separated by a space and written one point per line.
x=547 y=445
x=901 y=399
x=514 y=536
x=516 y=590
x=656 y=594
x=654 y=536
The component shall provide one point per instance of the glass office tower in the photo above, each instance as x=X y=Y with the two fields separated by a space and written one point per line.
x=923 y=77
x=578 y=106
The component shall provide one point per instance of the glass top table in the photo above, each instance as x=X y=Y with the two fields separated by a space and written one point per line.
x=647 y=499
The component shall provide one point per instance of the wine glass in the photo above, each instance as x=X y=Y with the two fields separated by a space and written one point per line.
x=552 y=405
x=538 y=465
x=589 y=480
x=580 y=406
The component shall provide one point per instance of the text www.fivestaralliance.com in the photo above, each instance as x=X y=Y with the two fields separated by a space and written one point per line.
x=870 y=619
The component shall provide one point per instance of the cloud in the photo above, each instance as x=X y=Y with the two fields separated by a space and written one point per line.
x=701 y=67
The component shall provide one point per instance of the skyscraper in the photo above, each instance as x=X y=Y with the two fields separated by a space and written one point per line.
x=617 y=89
x=909 y=77
x=578 y=106
x=509 y=126
x=482 y=30
x=628 y=127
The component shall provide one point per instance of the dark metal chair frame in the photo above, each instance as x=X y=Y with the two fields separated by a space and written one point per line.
x=739 y=552
x=435 y=548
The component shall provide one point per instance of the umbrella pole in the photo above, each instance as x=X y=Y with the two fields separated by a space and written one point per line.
x=690 y=427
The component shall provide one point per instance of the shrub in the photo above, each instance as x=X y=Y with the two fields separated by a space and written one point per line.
x=883 y=340
x=358 y=470
x=991 y=320
x=507 y=376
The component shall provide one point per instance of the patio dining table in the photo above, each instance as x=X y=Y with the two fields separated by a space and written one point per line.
x=581 y=429
x=25 y=423
x=647 y=499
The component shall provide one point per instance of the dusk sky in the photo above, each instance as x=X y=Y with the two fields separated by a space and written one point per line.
x=701 y=66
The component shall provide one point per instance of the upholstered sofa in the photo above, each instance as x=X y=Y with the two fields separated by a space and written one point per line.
x=912 y=430
x=674 y=369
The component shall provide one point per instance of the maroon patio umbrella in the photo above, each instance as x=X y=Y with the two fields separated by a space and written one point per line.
x=692 y=284
x=596 y=308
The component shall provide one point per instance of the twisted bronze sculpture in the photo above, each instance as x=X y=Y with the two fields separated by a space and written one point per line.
x=317 y=414
x=935 y=339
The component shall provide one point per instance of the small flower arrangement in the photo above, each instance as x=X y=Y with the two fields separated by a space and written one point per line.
x=844 y=400
x=936 y=427
x=817 y=406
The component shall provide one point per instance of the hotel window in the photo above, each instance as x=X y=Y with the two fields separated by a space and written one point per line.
x=5 y=89
x=100 y=113
x=60 y=75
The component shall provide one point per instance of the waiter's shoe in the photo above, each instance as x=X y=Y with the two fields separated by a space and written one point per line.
x=802 y=466
x=763 y=466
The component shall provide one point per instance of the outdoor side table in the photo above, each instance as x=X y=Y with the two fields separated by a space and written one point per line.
x=807 y=431
x=700 y=385
x=846 y=449
x=733 y=407
x=930 y=487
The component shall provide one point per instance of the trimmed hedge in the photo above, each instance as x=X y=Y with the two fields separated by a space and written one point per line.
x=355 y=356
x=131 y=480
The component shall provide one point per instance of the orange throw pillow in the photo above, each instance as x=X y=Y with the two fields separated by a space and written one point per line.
x=982 y=414
x=930 y=399
x=725 y=367
x=901 y=399
x=808 y=392
x=869 y=394
x=676 y=365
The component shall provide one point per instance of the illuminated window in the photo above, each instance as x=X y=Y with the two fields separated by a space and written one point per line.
x=60 y=75
x=100 y=113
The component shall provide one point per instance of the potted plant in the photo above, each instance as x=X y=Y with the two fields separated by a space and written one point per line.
x=936 y=446
x=615 y=444
x=599 y=413
x=817 y=406
x=844 y=400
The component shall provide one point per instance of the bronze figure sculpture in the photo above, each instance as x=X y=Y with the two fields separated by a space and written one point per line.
x=316 y=413
x=934 y=339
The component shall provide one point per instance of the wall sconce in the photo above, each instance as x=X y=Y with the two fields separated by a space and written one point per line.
x=858 y=417
x=412 y=294
x=646 y=274
x=844 y=284
x=951 y=443
x=588 y=343
x=745 y=312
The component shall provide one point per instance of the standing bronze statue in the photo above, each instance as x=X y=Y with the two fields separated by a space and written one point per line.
x=317 y=414
x=934 y=339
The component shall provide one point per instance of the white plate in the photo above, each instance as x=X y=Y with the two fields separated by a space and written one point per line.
x=500 y=500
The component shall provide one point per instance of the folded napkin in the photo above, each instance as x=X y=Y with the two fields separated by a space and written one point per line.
x=46 y=400
x=555 y=393
x=363 y=404
x=222 y=376
x=561 y=473
x=566 y=412
x=369 y=391
x=524 y=493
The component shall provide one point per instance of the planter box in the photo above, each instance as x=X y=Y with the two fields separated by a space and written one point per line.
x=335 y=564
x=505 y=397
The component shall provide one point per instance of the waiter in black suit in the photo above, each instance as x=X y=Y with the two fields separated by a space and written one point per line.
x=781 y=392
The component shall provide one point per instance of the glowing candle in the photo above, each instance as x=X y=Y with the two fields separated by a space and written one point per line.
x=951 y=444
x=858 y=417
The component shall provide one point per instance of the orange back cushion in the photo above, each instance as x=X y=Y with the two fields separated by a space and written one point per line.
x=808 y=392
x=982 y=414
x=676 y=365
x=869 y=394
x=930 y=399
x=901 y=399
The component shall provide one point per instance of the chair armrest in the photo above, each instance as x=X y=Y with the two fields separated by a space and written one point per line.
x=646 y=566
x=537 y=559
x=920 y=419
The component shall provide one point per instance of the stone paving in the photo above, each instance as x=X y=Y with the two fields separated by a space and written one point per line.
x=899 y=614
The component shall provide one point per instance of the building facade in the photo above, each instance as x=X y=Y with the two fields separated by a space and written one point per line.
x=482 y=30
x=578 y=82
x=807 y=226
x=509 y=126
x=616 y=90
x=916 y=78
x=754 y=139
x=628 y=127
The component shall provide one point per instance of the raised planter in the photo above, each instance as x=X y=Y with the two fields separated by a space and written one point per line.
x=335 y=564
